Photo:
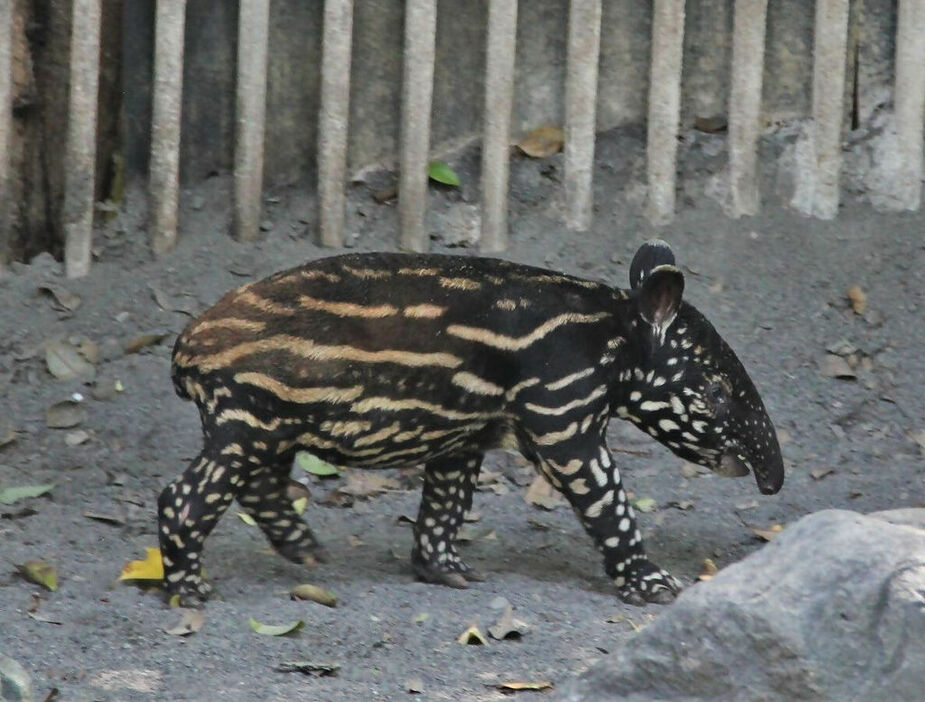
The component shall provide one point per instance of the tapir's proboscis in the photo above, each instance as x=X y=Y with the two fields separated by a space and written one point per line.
x=385 y=360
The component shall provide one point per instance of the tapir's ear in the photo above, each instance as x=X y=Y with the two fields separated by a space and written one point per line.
x=652 y=254
x=660 y=297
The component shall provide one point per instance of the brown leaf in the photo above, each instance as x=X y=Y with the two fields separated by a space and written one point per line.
x=137 y=343
x=367 y=484
x=313 y=593
x=519 y=686
x=820 y=473
x=707 y=570
x=64 y=298
x=858 y=299
x=543 y=495
x=507 y=627
x=833 y=366
x=66 y=362
x=296 y=490
x=542 y=142
x=63 y=415
x=191 y=621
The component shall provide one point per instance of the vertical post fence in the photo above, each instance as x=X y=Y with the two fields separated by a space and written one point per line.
x=164 y=177
x=584 y=41
x=664 y=107
x=496 y=140
x=250 y=116
x=6 y=126
x=909 y=100
x=417 y=93
x=333 y=119
x=80 y=157
x=745 y=106
x=830 y=42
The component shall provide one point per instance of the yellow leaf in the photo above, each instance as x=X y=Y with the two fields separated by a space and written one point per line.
x=246 y=518
x=276 y=629
x=300 y=504
x=472 y=636
x=315 y=594
x=542 y=142
x=518 y=686
x=858 y=299
x=39 y=572
x=151 y=568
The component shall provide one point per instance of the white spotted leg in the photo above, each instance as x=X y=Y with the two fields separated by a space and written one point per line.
x=593 y=487
x=188 y=509
x=263 y=497
x=448 y=486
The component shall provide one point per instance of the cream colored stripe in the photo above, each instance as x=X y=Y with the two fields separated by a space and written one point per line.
x=228 y=323
x=249 y=297
x=424 y=311
x=367 y=272
x=554 y=437
x=347 y=309
x=371 y=404
x=473 y=383
x=299 y=395
x=419 y=271
x=238 y=415
x=512 y=343
x=569 y=379
x=378 y=436
x=522 y=385
x=599 y=391
x=306 y=348
x=460 y=283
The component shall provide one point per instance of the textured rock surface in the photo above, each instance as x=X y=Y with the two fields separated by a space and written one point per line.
x=15 y=684
x=833 y=609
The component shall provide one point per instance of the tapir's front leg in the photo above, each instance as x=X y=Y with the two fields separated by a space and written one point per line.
x=585 y=473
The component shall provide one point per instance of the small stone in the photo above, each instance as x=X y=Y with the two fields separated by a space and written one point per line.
x=15 y=683
x=266 y=225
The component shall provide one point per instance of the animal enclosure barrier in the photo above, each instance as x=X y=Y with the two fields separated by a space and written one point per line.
x=583 y=41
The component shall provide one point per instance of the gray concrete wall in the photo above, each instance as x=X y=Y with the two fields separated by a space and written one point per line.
x=295 y=51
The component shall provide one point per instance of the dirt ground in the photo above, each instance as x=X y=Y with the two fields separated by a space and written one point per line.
x=774 y=285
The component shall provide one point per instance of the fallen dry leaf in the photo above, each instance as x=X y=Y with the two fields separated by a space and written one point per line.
x=833 y=366
x=65 y=299
x=367 y=484
x=247 y=519
x=472 y=636
x=64 y=415
x=137 y=343
x=107 y=518
x=415 y=686
x=858 y=299
x=149 y=568
x=542 y=494
x=44 y=618
x=707 y=570
x=276 y=629
x=645 y=504
x=13 y=494
x=76 y=438
x=191 y=621
x=39 y=572
x=542 y=142
x=65 y=362
x=520 y=686
x=313 y=593
x=507 y=627
x=820 y=473
x=308 y=668
x=769 y=533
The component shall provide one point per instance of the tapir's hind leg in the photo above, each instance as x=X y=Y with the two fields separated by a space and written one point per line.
x=188 y=509
x=448 y=486
x=264 y=498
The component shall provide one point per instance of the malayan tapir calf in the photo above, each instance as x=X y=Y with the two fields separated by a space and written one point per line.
x=383 y=360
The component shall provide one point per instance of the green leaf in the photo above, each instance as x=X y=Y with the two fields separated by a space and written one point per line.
x=247 y=519
x=441 y=172
x=275 y=629
x=645 y=504
x=314 y=465
x=40 y=573
x=10 y=495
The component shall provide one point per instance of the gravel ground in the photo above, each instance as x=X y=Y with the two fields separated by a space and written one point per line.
x=774 y=285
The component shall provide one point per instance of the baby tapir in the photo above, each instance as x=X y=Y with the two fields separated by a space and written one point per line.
x=378 y=360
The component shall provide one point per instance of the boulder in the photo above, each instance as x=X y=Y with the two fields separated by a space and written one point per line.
x=832 y=609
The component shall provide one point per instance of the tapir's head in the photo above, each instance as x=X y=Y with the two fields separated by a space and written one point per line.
x=685 y=385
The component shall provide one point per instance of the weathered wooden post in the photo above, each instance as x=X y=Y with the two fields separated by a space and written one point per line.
x=333 y=119
x=909 y=100
x=830 y=41
x=164 y=177
x=496 y=139
x=748 y=36
x=6 y=125
x=417 y=93
x=80 y=157
x=584 y=41
x=664 y=107
x=250 y=116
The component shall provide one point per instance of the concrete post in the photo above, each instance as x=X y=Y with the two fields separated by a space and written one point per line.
x=417 y=93
x=250 y=114
x=584 y=43
x=664 y=107
x=80 y=157
x=6 y=126
x=164 y=178
x=499 y=97
x=830 y=42
x=333 y=119
x=909 y=100
x=748 y=37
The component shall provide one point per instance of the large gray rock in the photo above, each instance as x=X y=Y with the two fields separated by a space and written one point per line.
x=832 y=609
